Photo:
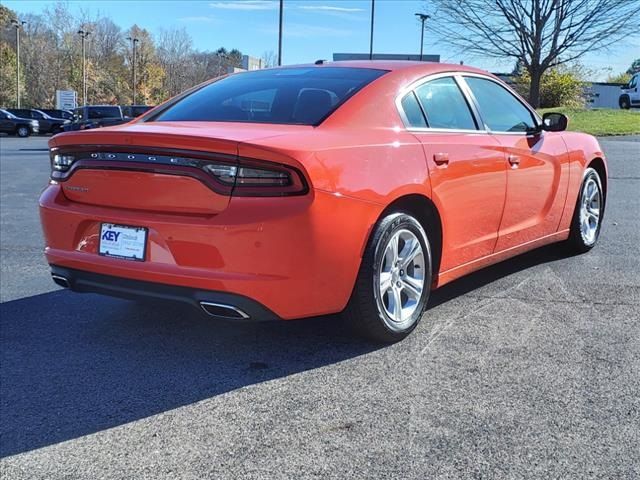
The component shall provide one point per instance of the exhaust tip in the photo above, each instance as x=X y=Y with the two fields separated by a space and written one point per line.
x=220 y=310
x=60 y=280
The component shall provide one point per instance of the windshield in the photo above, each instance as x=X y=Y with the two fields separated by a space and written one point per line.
x=8 y=114
x=298 y=96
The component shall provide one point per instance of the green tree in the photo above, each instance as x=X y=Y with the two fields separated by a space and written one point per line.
x=561 y=86
x=619 y=78
x=635 y=67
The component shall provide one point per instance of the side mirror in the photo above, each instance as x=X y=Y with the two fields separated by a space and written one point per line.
x=554 y=122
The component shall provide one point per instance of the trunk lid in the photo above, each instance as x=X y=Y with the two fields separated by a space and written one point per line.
x=132 y=166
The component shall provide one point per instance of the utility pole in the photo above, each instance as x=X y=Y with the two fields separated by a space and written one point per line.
x=83 y=35
x=18 y=24
x=373 y=10
x=423 y=18
x=133 y=42
x=280 y=33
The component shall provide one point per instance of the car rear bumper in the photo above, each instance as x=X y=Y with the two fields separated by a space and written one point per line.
x=216 y=304
x=295 y=256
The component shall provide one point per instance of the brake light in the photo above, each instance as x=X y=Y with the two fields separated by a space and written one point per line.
x=61 y=163
x=254 y=178
x=226 y=176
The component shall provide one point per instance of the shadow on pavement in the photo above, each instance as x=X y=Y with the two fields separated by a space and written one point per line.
x=73 y=364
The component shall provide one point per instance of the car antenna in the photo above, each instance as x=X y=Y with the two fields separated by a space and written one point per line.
x=319 y=62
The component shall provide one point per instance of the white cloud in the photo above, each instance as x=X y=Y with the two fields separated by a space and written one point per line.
x=328 y=8
x=245 y=5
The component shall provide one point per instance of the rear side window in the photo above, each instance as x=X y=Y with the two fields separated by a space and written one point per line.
x=444 y=105
x=104 y=112
x=500 y=110
x=298 y=96
x=412 y=111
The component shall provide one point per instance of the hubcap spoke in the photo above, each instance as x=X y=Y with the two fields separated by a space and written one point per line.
x=397 y=304
x=385 y=281
x=412 y=250
x=412 y=287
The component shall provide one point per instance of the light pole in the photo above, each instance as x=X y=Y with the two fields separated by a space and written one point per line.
x=134 y=40
x=373 y=10
x=17 y=24
x=423 y=18
x=280 y=33
x=83 y=35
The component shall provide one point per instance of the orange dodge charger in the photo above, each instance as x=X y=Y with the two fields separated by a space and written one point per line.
x=353 y=187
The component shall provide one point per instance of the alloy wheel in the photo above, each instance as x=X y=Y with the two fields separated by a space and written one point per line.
x=401 y=278
x=590 y=210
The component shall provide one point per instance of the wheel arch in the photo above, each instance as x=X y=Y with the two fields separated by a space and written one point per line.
x=425 y=211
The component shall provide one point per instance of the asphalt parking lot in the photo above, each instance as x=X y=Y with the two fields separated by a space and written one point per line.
x=528 y=369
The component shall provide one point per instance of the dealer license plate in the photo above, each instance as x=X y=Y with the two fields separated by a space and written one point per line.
x=124 y=242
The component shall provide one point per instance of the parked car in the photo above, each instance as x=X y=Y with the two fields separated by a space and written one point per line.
x=46 y=123
x=95 y=116
x=630 y=96
x=64 y=114
x=13 y=125
x=356 y=187
x=133 y=111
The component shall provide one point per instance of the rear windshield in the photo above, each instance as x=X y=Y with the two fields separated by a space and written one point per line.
x=298 y=96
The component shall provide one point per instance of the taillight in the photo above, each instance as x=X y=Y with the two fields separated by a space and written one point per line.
x=227 y=176
x=257 y=179
x=60 y=162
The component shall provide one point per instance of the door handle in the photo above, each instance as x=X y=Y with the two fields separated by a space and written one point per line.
x=514 y=160
x=441 y=158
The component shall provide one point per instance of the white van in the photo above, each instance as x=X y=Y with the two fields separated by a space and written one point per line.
x=630 y=96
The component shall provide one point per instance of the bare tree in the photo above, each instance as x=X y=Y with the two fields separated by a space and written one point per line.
x=269 y=59
x=540 y=34
x=175 y=49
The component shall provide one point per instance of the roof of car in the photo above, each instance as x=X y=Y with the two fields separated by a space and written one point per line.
x=394 y=65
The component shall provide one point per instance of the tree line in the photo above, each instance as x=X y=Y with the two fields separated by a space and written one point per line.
x=51 y=59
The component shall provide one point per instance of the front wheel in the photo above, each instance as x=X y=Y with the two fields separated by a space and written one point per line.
x=23 y=132
x=394 y=281
x=587 y=217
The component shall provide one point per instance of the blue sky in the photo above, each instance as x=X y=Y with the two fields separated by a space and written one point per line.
x=313 y=29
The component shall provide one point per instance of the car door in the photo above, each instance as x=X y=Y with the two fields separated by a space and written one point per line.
x=6 y=125
x=43 y=122
x=634 y=91
x=466 y=168
x=538 y=173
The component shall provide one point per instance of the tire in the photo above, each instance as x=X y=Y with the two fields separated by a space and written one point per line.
x=23 y=132
x=624 y=102
x=372 y=311
x=587 y=216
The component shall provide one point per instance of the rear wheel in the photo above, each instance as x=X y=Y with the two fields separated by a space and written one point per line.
x=23 y=131
x=624 y=102
x=587 y=217
x=394 y=281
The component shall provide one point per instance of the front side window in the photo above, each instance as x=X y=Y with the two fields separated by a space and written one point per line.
x=295 y=96
x=500 y=110
x=444 y=105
